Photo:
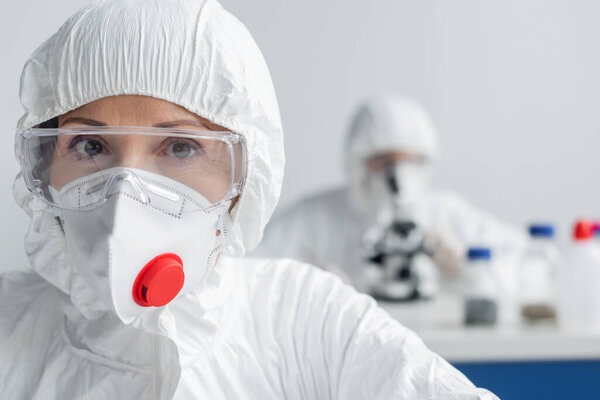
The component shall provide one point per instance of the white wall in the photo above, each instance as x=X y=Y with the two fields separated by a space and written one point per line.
x=24 y=25
x=513 y=86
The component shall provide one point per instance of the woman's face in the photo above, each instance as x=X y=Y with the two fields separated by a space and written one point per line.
x=181 y=159
x=382 y=161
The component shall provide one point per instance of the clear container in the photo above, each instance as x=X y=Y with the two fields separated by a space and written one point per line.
x=480 y=291
x=579 y=282
x=537 y=277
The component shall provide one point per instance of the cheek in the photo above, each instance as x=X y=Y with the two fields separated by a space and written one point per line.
x=59 y=176
x=215 y=189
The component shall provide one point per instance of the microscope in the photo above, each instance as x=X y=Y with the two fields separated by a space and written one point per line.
x=393 y=253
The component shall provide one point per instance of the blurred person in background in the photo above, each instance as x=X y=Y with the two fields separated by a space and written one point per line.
x=390 y=150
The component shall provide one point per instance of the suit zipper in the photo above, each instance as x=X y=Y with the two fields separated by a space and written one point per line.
x=156 y=367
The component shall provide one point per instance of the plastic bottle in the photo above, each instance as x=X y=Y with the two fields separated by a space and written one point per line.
x=579 y=281
x=480 y=293
x=537 y=289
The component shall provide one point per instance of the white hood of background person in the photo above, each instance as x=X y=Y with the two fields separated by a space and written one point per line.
x=380 y=125
x=191 y=53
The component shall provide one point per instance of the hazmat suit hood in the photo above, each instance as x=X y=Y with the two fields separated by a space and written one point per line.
x=188 y=52
x=389 y=123
x=383 y=124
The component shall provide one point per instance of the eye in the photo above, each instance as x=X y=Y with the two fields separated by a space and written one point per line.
x=180 y=150
x=87 y=146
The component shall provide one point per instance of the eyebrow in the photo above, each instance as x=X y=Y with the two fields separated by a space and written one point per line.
x=168 y=124
x=181 y=122
x=86 y=121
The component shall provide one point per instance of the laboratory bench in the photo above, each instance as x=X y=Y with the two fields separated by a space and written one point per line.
x=513 y=359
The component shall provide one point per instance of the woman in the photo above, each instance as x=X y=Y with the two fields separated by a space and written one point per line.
x=151 y=159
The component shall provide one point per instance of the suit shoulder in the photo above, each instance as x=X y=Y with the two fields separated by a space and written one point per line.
x=24 y=296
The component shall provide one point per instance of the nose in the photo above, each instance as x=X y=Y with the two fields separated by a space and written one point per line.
x=132 y=151
x=128 y=182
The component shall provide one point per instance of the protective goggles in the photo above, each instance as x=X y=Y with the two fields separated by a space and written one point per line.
x=156 y=161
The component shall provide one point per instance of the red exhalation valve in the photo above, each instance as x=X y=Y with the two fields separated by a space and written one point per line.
x=159 y=281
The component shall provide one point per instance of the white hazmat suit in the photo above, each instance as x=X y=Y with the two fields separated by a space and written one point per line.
x=254 y=329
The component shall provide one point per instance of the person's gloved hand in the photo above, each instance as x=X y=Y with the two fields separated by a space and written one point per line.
x=446 y=251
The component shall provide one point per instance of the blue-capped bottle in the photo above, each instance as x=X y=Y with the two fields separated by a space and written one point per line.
x=480 y=291
x=537 y=275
